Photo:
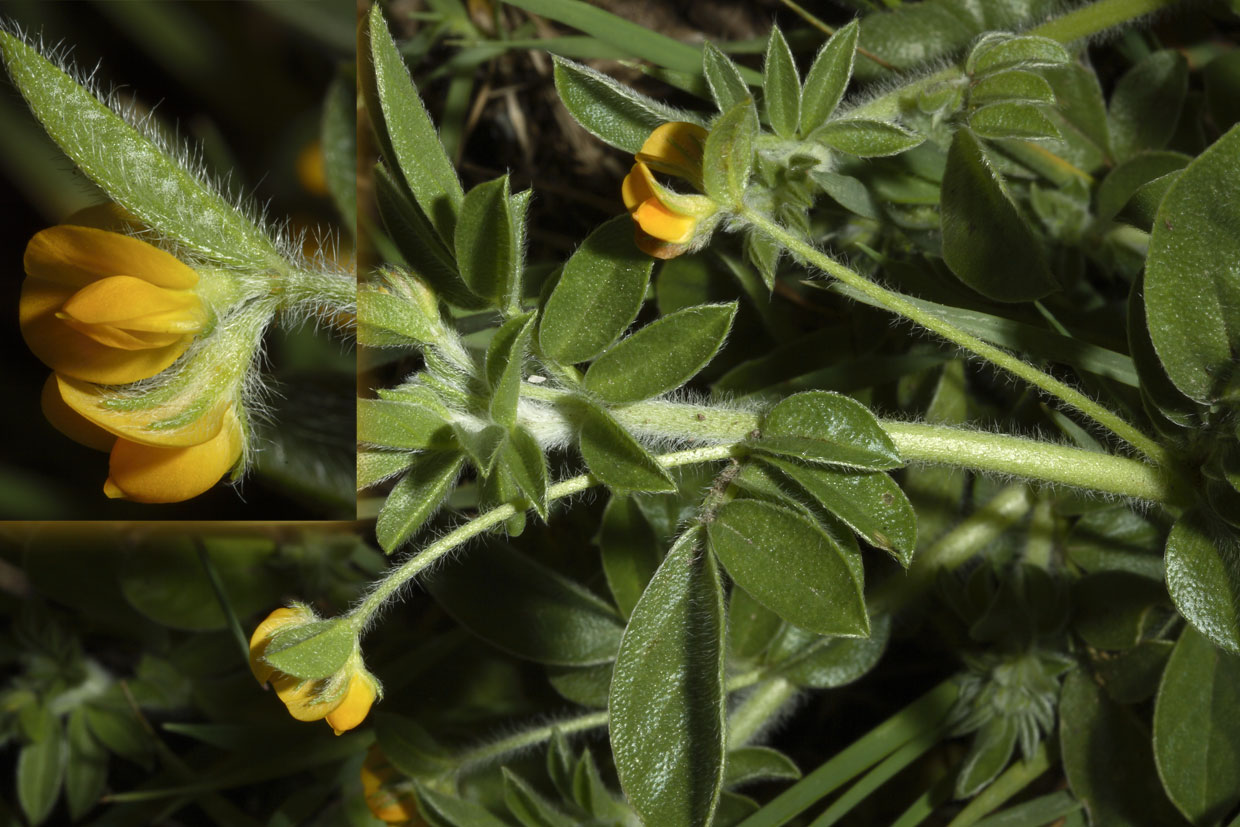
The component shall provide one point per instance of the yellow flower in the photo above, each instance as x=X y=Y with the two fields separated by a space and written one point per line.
x=105 y=307
x=387 y=798
x=343 y=699
x=667 y=221
x=148 y=466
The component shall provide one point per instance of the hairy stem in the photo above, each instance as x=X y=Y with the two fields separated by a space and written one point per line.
x=422 y=560
x=899 y=305
x=918 y=443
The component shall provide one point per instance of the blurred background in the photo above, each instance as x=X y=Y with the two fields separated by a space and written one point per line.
x=247 y=83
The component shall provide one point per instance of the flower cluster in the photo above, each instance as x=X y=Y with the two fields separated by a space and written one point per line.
x=669 y=223
x=343 y=699
x=103 y=309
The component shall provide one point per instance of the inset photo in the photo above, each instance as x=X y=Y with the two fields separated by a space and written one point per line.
x=179 y=322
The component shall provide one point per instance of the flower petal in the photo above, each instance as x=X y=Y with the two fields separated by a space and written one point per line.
x=72 y=353
x=676 y=148
x=152 y=474
x=658 y=221
x=301 y=697
x=71 y=423
x=355 y=704
x=262 y=637
x=386 y=804
x=634 y=189
x=75 y=256
x=143 y=426
x=134 y=304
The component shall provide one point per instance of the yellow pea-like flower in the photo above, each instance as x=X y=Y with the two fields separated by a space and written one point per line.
x=667 y=221
x=147 y=466
x=104 y=307
x=343 y=699
x=386 y=797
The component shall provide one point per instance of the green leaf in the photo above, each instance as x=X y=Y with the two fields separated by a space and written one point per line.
x=1012 y=119
x=1011 y=85
x=661 y=356
x=1192 y=286
x=117 y=728
x=609 y=110
x=1221 y=77
x=41 y=771
x=410 y=748
x=749 y=764
x=1145 y=107
x=781 y=86
x=1132 y=676
x=986 y=242
x=819 y=662
x=616 y=458
x=453 y=810
x=312 y=651
x=870 y=503
x=390 y=424
x=791 y=566
x=626 y=36
x=527 y=609
x=988 y=754
x=828 y=78
x=630 y=551
x=751 y=626
x=847 y=191
x=585 y=685
x=529 y=806
x=1126 y=178
x=86 y=770
x=387 y=320
x=1108 y=760
x=1116 y=609
x=416 y=497
x=604 y=281
x=1006 y=51
x=1203 y=576
x=486 y=242
x=668 y=704
x=505 y=366
x=866 y=138
x=723 y=77
x=405 y=130
x=133 y=167
x=163 y=578
x=526 y=464
x=338 y=137
x=728 y=154
x=825 y=427
x=418 y=242
x=1197 y=730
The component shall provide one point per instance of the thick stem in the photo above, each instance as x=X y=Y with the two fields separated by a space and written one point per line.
x=899 y=305
x=918 y=443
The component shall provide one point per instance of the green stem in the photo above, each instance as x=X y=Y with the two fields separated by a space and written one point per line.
x=397 y=577
x=327 y=295
x=965 y=540
x=753 y=713
x=898 y=304
x=496 y=750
